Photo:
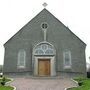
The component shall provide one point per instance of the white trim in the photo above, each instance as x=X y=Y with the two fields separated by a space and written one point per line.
x=14 y=87
x=44 y=42
x=44 y=31
x=73 y=86
x=44 y=23
x=45 y=34
x=75 y=81
x=10 y=82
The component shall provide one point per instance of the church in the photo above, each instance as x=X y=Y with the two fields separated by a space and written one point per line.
x=45 y=47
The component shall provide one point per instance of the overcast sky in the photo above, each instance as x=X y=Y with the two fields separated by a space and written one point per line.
x=14 y=14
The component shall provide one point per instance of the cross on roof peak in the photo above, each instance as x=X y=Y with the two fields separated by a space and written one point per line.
x=44 y=4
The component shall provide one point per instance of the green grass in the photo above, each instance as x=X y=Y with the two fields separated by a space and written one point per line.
x=6 y=88
x=85 y=85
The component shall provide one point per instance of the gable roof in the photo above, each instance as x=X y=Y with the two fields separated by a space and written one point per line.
x=43 y=11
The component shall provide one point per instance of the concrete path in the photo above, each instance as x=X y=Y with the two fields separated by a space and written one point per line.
x=42 y=84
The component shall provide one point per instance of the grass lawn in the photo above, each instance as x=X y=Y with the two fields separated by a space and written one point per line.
x=6 y=87
x=84 y=86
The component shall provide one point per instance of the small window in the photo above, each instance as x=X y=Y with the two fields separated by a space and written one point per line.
x=44 y=26
x=21 y=59
x=67 y=59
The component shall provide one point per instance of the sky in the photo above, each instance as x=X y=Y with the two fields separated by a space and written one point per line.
x=14 y=14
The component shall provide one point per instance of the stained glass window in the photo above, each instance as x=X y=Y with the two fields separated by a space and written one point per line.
x=44 y=49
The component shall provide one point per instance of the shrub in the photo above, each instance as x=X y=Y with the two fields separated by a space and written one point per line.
x=80 y=83
x=88 y=74
x=3 y=81
x=80 y=80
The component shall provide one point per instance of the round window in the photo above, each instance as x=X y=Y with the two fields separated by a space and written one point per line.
x=44 y=26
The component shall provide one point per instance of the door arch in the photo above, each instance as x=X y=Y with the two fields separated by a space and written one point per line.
x=44 y=51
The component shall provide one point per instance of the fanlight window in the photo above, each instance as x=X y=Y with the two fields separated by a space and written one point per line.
x=44 y=49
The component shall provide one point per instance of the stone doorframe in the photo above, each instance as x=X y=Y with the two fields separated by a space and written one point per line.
x=52 y=65
x=44 y=50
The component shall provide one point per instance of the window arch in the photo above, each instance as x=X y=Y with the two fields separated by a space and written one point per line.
x=44 y=49
x=21 y=59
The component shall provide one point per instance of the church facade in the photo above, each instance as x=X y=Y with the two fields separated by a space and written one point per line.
x=45 y=47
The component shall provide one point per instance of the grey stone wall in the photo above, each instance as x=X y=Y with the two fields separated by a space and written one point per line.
x=57 y=34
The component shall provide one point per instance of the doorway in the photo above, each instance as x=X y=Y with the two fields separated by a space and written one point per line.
x=44 y=67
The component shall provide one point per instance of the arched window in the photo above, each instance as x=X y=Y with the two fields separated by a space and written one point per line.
x=21 y=59
x=67 y=59
x=44 y=49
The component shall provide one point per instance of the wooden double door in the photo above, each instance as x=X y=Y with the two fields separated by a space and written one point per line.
x=44 y=67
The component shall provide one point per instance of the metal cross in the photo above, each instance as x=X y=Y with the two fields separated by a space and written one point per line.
x=44 y=4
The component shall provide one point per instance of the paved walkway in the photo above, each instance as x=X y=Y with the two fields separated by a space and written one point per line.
x=42 y=84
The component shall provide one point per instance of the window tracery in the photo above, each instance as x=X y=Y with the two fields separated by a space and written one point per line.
x=44 y=49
